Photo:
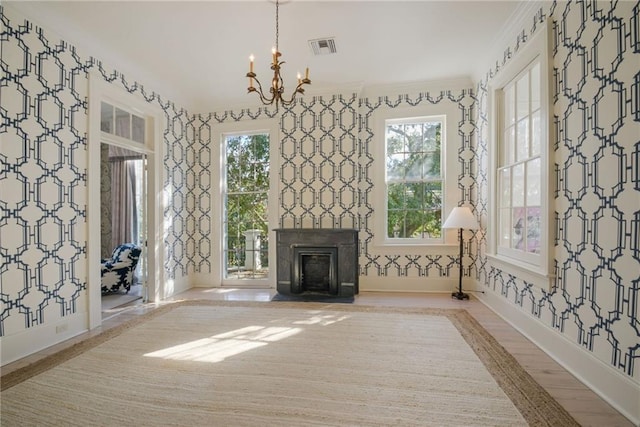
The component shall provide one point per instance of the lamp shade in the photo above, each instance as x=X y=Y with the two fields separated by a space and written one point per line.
x=461 y=217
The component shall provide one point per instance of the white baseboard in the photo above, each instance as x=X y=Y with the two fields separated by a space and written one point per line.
x=175 y=286
x=32 y=340
x=616 y=389
x=411 y=284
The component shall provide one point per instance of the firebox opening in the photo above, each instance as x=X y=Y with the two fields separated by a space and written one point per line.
x=316 y=269
x=315 y=272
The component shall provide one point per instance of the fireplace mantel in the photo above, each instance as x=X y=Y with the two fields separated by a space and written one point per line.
x=339 y=246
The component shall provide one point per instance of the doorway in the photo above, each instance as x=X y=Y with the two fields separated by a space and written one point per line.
x=123 y=212
x=124 y=127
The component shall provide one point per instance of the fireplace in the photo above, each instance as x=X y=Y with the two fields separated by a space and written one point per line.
x=317 y=261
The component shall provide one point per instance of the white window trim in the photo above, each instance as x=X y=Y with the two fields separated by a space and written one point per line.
x=449 y=150
x=219 y=132
x=540 y=274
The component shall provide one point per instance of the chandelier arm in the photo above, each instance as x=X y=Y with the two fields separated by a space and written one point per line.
x=259 y=91
x=298 y=90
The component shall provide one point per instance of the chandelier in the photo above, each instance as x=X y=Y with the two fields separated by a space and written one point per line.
x=276 y=89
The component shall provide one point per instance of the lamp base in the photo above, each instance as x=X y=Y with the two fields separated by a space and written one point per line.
x=459 y=295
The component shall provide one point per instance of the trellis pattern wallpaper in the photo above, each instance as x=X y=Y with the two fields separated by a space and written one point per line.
x=326 y=175
x=596 y=76
x=43 y=176
x=325 y=178
x=414 y=265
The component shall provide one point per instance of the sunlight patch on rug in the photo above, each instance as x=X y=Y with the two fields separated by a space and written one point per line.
x=219 y=347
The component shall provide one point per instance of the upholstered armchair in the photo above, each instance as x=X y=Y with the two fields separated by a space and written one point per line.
x=118 y=270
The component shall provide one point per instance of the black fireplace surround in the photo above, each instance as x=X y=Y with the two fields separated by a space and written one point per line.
x=317 y=261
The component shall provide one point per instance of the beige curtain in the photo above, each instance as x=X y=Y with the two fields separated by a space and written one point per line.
x=124 y=222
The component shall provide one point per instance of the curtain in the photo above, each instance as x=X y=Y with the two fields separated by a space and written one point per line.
x=124 y=222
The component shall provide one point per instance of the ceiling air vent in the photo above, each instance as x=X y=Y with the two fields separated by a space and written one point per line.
x=323 y=46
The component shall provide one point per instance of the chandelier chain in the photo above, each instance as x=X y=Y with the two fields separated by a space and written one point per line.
x=277 y=24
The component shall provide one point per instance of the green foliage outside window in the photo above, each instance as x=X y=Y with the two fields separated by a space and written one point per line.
x=247 y=179
x=414 y=179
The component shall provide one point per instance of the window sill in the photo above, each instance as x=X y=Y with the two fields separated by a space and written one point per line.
x=521 y=270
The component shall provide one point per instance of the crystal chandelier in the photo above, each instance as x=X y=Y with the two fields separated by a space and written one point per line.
x=276 y=91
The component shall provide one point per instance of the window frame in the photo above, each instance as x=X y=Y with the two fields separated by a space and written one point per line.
x=449 y=146
x=225 y=193
x=442 y=119
x=218 y=133
x=534 y=268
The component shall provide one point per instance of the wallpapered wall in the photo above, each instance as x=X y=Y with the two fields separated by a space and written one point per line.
x=326 y=157
x=375 y=263
x=326 y=174
x=595 y=296
x=43 y=176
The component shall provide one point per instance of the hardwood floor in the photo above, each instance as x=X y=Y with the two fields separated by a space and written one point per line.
x=583 y=404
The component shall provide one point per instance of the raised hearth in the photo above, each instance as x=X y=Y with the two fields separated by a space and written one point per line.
x=317 y=261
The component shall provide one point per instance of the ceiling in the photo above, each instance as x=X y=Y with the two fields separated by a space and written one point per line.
x=196 y=52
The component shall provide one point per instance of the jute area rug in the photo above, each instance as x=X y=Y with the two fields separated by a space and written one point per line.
x=278 y=364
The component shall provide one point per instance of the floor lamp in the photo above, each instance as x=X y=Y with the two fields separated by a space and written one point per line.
x=461 y=218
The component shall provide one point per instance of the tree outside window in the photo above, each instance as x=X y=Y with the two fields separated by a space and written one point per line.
x=247 y=189
x=414 y=178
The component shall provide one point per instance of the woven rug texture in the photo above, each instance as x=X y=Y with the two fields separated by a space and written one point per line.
x=204 y=363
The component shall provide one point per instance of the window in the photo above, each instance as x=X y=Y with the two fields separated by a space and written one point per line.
x=521 y=167
x=122 y=123
x=245 y=195
x=414 y=180
x=519 y=164
x=416 y=169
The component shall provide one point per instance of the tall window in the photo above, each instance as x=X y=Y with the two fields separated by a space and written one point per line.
x=414 y=179
x=519 y=204
x=245 y=198
x=521 y=168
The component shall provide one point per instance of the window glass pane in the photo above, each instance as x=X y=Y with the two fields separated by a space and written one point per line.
x=522 y=139
x=505 y=187
x=106 y=117
x=432 y=206
x=396 y=206
x=533 y=230
x=517 y=185
x=396 y=196
x=533 y=182
x=507 y=148
x=432 y=133
x=535 y=87
x=536 y=134
x=413 y=137
x=137 y=129
x=395 y=139
x=509 y=106
x=396 y=167
x=123 y=123
x=522 y=97
x=415 y=164
x=504 y=227
x=431 y=166
x=518 y=230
